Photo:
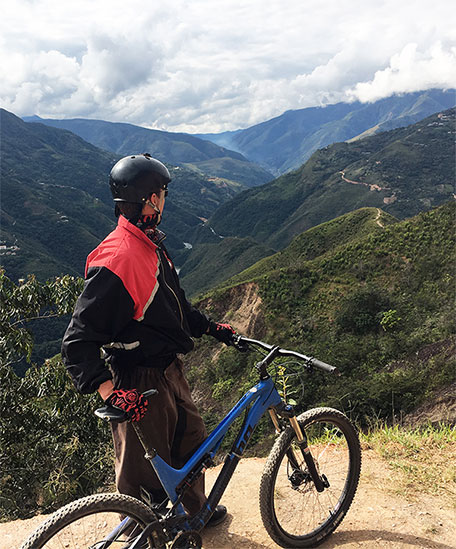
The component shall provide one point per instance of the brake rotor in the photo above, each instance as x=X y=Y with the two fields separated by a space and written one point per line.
x=187 y=540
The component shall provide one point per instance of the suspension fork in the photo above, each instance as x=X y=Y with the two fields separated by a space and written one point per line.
x=286 y=410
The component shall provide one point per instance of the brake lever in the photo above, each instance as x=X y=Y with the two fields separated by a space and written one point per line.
x=241 y=346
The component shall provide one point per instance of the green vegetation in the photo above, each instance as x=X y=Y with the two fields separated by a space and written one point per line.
x=368 y=306
x=53 y=448
x=30 y=300
x=319 y=240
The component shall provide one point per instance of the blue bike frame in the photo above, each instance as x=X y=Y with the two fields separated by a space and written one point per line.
x=262 y=396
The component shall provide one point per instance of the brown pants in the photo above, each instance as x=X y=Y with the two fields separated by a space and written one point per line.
x=172 y=425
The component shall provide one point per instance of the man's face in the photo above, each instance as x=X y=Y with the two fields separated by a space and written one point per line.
x=155 y=203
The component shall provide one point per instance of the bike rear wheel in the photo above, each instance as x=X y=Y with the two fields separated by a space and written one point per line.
x=93 y=522
x=293 y=512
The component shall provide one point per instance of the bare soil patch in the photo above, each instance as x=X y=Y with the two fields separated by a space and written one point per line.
x=378 y=518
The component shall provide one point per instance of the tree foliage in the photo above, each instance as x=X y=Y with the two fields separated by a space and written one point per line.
x=30 y=300
x=52 y=447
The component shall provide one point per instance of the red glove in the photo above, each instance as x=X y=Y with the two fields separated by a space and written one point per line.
x=222 y=332
x=130 y=401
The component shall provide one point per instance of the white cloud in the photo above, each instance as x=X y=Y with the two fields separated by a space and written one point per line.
x=210 y=66
x=411 y=70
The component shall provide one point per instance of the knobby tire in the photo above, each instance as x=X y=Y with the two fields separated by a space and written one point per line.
x=60 y=529
x=293 y=512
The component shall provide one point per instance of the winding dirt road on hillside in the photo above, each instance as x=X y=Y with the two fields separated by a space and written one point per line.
x=378 y=518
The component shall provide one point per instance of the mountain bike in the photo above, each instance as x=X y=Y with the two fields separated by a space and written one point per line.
x=307 y=486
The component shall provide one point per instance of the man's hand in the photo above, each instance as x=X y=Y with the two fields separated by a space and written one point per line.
x=130 y=401
x=222 y=332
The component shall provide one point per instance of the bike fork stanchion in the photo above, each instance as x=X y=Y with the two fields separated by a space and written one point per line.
x=275 y=420
x=306 y=454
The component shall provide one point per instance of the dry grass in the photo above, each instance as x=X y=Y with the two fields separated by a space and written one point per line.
x=422 y=460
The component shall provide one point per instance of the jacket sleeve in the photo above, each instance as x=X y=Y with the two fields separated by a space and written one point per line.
x=102 y=310
x=197 y=321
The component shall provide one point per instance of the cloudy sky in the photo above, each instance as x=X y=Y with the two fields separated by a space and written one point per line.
x=210 y=66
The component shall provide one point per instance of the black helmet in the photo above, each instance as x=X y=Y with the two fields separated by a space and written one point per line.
x=135 y=178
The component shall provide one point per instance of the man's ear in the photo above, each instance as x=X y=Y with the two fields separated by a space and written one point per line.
x=155 y=201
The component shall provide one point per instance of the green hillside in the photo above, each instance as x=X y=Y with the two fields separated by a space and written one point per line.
x=403 y=171
x=320 y=240
x=54 y=199
x=287 y=141
x=211 y=264
x=378 y=303
x=178 y=149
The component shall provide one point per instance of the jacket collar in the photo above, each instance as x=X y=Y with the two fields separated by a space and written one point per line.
x=158 y=238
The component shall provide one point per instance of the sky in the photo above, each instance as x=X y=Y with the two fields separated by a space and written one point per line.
x=205 y=66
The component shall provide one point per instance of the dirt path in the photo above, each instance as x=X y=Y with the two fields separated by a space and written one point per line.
x=377 y=219
x=372 y=187
x=378 y=518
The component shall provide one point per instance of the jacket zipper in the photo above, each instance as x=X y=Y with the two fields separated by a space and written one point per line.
x=177 y=299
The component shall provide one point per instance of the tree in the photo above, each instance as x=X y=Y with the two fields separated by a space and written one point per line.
x=30 y=300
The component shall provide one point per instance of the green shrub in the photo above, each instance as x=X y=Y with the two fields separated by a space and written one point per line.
x=361 y=311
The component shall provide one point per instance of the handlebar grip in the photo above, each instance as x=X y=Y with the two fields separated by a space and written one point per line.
x=323 y=366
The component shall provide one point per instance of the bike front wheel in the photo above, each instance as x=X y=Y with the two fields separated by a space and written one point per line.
x=100 y=521
x=294 y=513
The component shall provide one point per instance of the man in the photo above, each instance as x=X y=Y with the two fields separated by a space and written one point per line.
x=133 y=307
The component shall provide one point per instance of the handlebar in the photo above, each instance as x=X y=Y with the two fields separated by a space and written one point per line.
x=241 y=342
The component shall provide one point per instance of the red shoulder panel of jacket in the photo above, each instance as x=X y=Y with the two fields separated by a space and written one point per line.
x=129 y=254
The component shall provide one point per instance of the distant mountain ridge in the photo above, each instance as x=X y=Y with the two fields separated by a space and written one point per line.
x=287 y=141
x=54 y=198
x=178 y=149
x=402 y=171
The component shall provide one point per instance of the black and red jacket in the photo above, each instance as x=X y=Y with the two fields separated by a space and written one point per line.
x=132 y=306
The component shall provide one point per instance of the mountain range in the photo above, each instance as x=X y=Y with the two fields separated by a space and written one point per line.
x=277 y=145
x=287 y=141
x=56 y=204
x=178 y=149
x=402 y=171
